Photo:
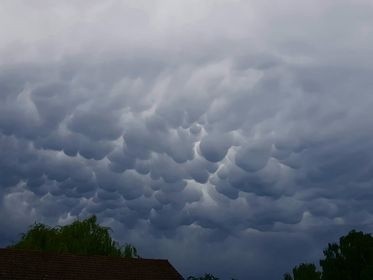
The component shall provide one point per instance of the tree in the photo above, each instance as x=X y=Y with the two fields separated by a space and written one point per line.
x=304 y=271
x=129 y=251
x=84 y=237
x=207 y=276
x=351 y=259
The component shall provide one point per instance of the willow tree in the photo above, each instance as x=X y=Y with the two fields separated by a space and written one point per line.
x=82 y=237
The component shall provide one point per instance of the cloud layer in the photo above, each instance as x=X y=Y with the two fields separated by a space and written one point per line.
x=229 y=131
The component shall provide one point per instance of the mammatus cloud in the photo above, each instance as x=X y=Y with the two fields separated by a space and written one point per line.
x=229 y=131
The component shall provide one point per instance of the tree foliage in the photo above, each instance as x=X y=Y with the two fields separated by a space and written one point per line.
x=350 y=259
x=304 y=271
x=83 y=237
x=207 y=276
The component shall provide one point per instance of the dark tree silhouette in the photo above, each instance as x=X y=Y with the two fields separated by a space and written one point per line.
x=83 y=237
x=304 y=271
x=207 y=276
x=351 y=259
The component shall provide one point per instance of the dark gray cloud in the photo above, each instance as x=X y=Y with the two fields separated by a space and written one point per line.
x=216 y=134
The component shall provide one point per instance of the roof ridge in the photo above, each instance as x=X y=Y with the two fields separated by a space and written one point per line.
x=78 y=255
x=18 y=264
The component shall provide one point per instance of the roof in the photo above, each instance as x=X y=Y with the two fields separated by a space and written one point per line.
x=16 y=264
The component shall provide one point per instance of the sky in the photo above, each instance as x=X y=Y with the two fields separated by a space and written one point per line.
x=230 y=137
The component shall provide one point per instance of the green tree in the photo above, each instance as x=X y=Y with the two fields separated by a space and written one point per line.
x=304 y=271
x=83 y=237
x=351 y=259
x=129 y=251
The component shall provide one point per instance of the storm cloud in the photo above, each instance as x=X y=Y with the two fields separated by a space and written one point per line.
x=217 y=134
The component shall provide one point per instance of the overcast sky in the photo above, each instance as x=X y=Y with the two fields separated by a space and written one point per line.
x=230 y=137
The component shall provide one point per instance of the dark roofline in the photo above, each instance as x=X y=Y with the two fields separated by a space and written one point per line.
x=51 y=253
x=19 y=256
